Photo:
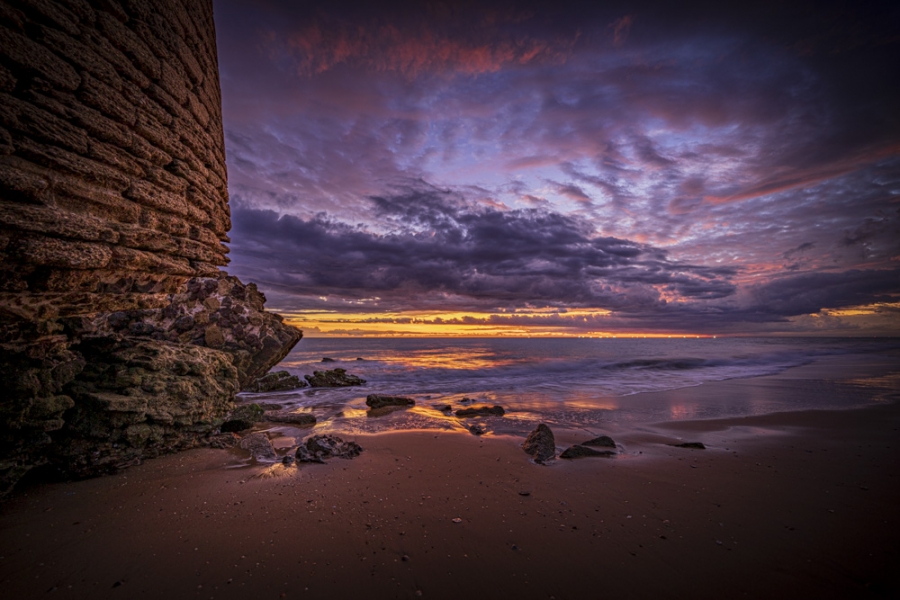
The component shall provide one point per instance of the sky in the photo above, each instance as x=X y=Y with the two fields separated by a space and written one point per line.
x=554 y=169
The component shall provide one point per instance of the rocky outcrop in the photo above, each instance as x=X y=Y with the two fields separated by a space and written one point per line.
x=119 y=337
x=377 y=401
x=279 y=381
x=217 y=312
x=603 y=441
x=540 y=444
x=333 y=378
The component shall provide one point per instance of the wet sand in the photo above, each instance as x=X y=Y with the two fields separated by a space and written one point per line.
x=786 y=505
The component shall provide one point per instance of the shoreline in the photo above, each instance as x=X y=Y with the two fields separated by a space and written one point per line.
x=790 y=504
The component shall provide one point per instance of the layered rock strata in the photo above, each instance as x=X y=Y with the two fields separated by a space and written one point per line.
x=120 y=339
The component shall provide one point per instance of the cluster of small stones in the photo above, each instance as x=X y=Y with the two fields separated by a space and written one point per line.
x=119 y=337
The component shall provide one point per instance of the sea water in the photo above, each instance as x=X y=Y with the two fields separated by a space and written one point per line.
x=573 y=382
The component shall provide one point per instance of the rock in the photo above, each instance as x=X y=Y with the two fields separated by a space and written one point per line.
x=287 y=460
x=259 y=446
x=276 y=382
x=302 y=419
x=223 y=441
x=465 y=400
x=477 y=430
x=213 y=337
x=604 y=441
x=443 y=407
x=326 y=359
x=540 y=444
x=137 y=399
x=578 y=451
x=320 y=447
x=694 y=445
x=333 y=378
x=481 y=411
x=243 y=417
x=358 y=358
x=381 y=400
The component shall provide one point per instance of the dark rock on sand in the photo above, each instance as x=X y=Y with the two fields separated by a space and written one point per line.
x=382 y=400
x=327 y=359
x=577 y=451
x=320 y=447
x=243 y=417
x=276 y=382
x=465 y=400
x=481 y=411
x=694 y=445
x=333 y=378
x=259 y=446
x=359 y=358
x=540 y=444
x=443 y=407
x=477 y=430
x=302 y=419
x=604 y=441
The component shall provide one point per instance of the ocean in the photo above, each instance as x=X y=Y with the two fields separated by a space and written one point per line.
x=580 y=383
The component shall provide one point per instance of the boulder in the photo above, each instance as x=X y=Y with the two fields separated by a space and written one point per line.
x=477 y=430
x=540 y=444
x=604 y=441
x=578 y=451
x=320 y=447
x=382 y=400
x=276 y=382
x=259 y=446
x=481 y=411
x=333 y=378
x=243 y=417
x=301 y=419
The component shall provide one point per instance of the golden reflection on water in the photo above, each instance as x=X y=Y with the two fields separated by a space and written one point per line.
x=456 y=358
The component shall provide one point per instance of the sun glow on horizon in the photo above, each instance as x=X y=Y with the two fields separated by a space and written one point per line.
x=538 y=323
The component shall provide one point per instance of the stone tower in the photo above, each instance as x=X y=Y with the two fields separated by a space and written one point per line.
x=113 y=214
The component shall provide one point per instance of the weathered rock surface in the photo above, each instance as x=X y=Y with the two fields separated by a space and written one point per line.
x=243 y=417
x=301 y=419
x=278 y=381
x=578 y=451
x=137 y=399
x=259 y=446
x=333 y=378
x=603 y=441
x=234 y=312
x=540 y=444
x=382 y=400
x=318 y=448
x=481 y=411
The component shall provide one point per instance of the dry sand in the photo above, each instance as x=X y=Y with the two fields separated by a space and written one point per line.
x=788 y=505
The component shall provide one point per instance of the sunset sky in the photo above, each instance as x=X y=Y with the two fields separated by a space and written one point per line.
x=516 y=168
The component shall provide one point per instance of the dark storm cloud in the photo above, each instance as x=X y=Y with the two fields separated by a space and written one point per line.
x=479 y=256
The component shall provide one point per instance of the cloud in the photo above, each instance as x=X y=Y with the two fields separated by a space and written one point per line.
x=462 y=255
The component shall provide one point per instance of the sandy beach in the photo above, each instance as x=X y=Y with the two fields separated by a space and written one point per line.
x=785 y=505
